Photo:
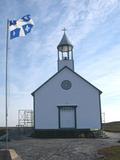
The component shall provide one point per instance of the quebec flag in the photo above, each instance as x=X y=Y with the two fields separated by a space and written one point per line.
x=20 y=27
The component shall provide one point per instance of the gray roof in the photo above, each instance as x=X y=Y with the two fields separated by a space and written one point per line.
x=64 y=41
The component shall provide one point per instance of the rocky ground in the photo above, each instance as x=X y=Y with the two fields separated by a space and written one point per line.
x=61 y=149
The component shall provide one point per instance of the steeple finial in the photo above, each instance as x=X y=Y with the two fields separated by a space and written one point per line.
x=64 y=29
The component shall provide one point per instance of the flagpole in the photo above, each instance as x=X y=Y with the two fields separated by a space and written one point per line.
x=6 y=83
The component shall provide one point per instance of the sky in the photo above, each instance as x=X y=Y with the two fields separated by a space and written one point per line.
x=93 y=27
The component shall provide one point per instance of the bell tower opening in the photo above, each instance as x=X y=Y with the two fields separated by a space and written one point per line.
x=65 y=53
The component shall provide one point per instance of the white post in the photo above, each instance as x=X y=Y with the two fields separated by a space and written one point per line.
x=6 y=84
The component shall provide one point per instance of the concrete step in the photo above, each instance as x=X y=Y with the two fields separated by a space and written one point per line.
x=9 y=155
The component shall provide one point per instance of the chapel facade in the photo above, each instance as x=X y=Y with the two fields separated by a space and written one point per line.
x=66 y=100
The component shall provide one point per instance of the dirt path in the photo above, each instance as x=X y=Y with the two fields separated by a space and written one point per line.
x=60 y=149
x=113 y=135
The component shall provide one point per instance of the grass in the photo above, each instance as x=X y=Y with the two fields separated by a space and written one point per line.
x=112 y=126
x=110 y=153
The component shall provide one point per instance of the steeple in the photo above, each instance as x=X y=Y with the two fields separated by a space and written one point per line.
x=65 y=53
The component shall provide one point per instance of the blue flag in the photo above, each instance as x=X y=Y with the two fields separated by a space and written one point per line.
x=20 y=27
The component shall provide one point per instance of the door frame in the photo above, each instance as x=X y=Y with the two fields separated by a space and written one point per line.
x=75 y=116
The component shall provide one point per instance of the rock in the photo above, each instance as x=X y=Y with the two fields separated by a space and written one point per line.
x=9 y=155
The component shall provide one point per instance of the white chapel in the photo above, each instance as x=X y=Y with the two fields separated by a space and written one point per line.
x=66 y=100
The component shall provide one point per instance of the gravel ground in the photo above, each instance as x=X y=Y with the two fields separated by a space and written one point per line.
x=60 y=149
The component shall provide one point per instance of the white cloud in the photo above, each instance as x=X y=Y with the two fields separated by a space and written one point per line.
x=111 y=113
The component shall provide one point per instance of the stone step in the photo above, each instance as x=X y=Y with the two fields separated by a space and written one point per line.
x=9 y=154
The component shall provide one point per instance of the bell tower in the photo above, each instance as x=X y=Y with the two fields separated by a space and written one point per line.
x=65 y=53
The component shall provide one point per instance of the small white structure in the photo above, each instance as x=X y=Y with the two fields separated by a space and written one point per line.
x=66 y=100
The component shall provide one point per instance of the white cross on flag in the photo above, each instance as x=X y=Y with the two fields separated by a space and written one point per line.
x=20 y=27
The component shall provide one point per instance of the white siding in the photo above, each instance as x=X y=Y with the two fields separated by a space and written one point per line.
x=63 y=63
x=51 y=95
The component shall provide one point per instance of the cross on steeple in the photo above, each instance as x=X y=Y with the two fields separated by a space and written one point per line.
x=64 y=29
